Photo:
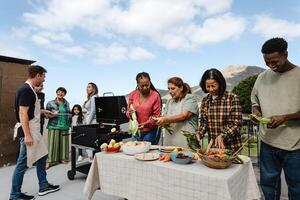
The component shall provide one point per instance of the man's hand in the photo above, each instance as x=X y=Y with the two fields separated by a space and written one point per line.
x=256 y=113
x=254 y=118
x=276 y=121
x=28 y=140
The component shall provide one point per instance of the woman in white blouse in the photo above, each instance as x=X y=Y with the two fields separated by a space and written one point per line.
x=89 y=107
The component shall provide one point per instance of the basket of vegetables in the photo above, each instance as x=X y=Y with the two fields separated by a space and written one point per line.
x=216 y=158
x=221 y=158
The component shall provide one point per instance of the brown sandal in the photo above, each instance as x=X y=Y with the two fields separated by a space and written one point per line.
x=64 y=162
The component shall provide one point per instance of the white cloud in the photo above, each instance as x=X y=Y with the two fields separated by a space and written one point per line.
x=271 y=27
x=173 y=24
x=58 y=43
x=139 y=53
x=39 y=40
x=46 y=38
x=23 y=31
x=65 y=14
x=72 y=50
x=211 y=7
x=110 y=54
x=17 y=51
x=64 y=50
x=118 y=52
x=11 y=47
x=58 y=37
x=218 y=28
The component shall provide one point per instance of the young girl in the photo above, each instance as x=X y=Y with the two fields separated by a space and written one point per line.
x=77 y=115
x=77 y=119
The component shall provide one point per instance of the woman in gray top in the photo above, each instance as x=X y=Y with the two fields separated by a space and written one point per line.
x=181 y=112
x=89 y=107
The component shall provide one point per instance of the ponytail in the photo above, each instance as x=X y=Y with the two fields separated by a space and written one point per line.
x=179 y=83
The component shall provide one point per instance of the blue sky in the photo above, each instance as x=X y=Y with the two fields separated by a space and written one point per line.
x=109 y=42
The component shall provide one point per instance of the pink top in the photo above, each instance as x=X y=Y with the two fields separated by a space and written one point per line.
x=144 y=110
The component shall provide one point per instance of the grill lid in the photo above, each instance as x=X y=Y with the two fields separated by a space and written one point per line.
x=111 y=109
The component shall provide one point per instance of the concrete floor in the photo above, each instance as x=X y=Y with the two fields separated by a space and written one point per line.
x=70 y=190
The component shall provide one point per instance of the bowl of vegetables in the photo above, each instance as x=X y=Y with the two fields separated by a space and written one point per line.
x=181 y=157
x=112 y=147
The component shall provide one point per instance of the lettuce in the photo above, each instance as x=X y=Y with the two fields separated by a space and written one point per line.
x=133 y=127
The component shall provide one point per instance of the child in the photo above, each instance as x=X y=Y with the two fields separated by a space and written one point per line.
x=77 y=116
x=77 y=119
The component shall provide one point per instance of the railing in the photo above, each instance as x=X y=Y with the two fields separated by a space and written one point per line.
x=252 y=149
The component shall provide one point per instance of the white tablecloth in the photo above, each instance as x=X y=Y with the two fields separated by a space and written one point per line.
x=122 y=175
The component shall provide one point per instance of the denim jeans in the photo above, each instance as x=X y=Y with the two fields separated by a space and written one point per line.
x=21 y=168
x=272 y=161
x=152 y=136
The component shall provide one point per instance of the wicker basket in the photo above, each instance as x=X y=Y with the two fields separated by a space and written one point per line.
x=213 y=163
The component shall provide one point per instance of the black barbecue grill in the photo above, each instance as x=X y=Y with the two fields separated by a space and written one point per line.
x=110 y=113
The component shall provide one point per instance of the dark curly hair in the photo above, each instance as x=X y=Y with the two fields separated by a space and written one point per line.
x=274 y=45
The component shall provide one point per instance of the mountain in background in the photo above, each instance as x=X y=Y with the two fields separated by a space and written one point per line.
x=233 y=74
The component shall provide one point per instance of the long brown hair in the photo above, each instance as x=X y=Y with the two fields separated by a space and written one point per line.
x=94 y=86
x=179 y=83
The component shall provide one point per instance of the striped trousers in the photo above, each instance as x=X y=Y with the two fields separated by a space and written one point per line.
x=58 y=146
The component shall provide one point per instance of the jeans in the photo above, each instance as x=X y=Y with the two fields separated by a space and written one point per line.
x=272 y=161
x=21 y=167
x=152 y=136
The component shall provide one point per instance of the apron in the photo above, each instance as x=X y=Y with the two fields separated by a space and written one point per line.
x=39 y=148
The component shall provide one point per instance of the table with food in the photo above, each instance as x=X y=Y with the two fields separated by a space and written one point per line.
x=139 y=170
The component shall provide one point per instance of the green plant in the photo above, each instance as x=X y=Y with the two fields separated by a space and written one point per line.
x=243 y=91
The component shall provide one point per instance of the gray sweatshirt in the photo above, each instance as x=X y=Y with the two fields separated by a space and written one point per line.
x=279 y=94
x=90 y=108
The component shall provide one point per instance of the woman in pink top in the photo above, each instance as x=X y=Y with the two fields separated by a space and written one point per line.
x=146 y=102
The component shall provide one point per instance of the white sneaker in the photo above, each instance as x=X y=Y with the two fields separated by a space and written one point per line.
x=79 y=158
